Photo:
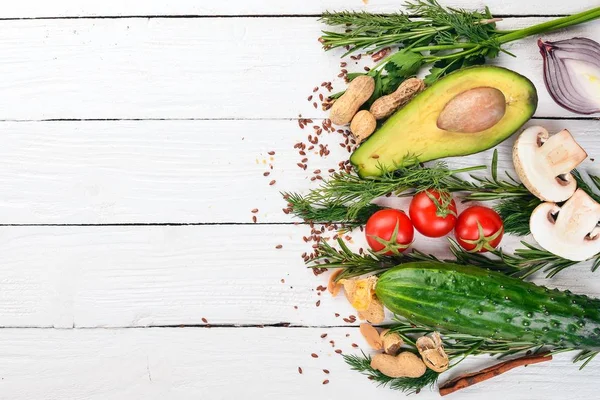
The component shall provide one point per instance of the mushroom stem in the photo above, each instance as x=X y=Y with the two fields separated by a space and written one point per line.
x=570 y=231
x=562 y=153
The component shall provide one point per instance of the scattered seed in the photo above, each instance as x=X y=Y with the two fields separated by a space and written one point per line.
x=318 y=303
x=254 y=218
x=255 y=210
x=271 y=153
x=338 y=351
x=300 y=370
x=314 y=355
x=326 y=371
x=354 y=345
x=326 y=381
x=323 y=335
x=278 y=246
x=205 y=320
x=272 y=182
x=266 y=173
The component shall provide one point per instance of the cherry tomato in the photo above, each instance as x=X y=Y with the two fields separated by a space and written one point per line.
x=389 y=232
x=433 y=213
x=479 y=229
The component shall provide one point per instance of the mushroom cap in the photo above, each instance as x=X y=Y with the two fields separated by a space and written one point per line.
x=573 y=234
x=544 y=162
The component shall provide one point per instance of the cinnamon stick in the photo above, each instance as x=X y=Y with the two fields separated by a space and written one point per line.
x=471 y=379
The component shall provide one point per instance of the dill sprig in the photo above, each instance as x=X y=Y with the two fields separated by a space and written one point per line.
x=362 y=364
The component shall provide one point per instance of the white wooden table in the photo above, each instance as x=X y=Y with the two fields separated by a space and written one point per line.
x=133 y=139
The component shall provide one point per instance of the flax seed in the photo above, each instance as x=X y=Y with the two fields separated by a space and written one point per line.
x=326 y=371
x=323 y=336
x=271 y=153
x=318 y=303
x=315 y=89
x=278 y=246
x=354 y=345
x=272 y=182
x=338 y=351
x=375 y=156
x=266 y=173
x=326 y=381
x=315 y=105
x=314 y=355
x=254 y=218
x=255 y=210
x=205 y=320
x=309 y=98
x=300 y=370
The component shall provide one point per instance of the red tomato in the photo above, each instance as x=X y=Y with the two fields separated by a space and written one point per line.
x=389 y=232
x=433 y=214
x=479 y=229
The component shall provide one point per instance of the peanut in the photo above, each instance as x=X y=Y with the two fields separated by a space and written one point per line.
x=385 y=106
x=391 y=342
x=405 y=364
x=371 y=336
x=357 y=93
x=432 y=352
x=363 y=125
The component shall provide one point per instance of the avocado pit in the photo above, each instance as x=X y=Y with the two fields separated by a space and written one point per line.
x=473 y=110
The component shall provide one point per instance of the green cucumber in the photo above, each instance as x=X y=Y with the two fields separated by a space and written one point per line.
x=474 y=301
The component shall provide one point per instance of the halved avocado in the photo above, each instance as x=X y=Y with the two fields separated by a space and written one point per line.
x=415 y=134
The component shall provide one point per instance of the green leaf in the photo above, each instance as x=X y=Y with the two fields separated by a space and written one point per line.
x=404 y=63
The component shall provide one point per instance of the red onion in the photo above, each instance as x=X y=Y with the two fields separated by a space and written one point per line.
x=572 y=73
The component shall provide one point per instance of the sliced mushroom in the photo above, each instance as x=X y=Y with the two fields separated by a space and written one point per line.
x=570 y=231
x=544 y=162
x=433 y=354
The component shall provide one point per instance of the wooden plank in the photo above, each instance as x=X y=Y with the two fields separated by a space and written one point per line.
x=188 y=363
x=74 y=8
x=175 y=171
x=121 y=276
x=188 y=68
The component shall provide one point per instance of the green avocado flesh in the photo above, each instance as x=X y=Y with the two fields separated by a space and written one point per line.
x=474 y=301
x=412 y=133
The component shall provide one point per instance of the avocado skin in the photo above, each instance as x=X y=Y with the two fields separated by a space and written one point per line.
x=412 y=133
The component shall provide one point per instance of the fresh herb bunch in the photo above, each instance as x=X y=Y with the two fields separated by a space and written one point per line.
x=345 y=196
x=446 y=38
x=457 y=346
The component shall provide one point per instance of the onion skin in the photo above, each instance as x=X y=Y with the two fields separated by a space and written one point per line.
x=558 y=76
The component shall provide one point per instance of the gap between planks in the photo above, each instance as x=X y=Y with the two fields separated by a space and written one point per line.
x=232 y=16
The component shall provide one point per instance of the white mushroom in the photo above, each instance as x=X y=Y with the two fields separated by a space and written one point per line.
x=544 y=162
x=570 y=231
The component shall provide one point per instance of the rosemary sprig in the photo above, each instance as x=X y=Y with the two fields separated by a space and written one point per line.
x=370 y=263
x=350 y=194
x=320 y=212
